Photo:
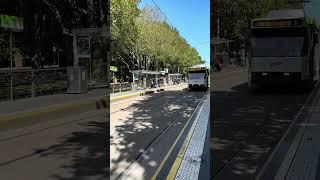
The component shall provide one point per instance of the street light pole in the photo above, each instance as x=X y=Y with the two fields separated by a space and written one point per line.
x=11 y=79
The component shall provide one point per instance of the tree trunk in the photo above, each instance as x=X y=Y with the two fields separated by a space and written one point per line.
x=91 y=13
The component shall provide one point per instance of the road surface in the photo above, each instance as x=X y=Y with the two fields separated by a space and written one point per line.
x=69 y=148
x=144 y=129
x=245 y=127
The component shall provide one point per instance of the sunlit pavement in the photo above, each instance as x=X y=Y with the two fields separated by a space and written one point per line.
x=143 y=130
x=246 y=127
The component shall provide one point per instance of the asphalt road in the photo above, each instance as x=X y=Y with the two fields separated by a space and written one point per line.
x=245 y=127
x=69 y=148
x=143 y=130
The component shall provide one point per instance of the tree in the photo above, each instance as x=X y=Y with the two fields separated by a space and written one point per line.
x=235 y=16
x=142 y=39
x=45 y=22
x=123 y=14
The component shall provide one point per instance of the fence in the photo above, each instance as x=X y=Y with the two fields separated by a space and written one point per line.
x=127 y=86
x=32 y=82
x=121 y=87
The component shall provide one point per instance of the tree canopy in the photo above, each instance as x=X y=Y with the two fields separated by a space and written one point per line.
x=44 y=21
x=235 y=16
x=142 y=39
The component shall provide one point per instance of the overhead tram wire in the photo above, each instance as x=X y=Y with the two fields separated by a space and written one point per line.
x=167 y=19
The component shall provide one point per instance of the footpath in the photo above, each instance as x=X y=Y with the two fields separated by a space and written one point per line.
x=51 y=106
x=230 y=68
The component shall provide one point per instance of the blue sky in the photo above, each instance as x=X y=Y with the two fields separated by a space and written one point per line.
x=192 y=19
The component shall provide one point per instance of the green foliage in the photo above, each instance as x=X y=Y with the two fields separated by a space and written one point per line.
x=235 y=16
x=310 y=22
x=43 y=21
x=143 y=40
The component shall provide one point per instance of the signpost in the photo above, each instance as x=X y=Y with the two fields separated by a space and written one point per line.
x=113 y=69
x=11 y=24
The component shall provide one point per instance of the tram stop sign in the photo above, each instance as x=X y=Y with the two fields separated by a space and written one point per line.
x=113 y=69
x=11 y=23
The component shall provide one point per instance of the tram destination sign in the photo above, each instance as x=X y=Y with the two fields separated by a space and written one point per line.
x=197 y=68
x=277 y=23
x=11 y=23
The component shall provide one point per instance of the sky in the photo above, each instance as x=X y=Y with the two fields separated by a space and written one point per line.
x=192 y=19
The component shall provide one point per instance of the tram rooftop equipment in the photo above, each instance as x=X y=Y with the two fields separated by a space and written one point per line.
x=282 y=19
x=197 y=67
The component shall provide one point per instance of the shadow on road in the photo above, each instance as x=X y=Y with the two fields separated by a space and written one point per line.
x=84 y=151
x=142 y=123
x=245 y=127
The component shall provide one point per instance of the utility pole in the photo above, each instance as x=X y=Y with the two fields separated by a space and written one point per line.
x=216 y=15
x=218 y=19
x=11 y=68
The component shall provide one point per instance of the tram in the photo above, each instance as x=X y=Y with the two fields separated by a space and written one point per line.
x=284 y=47
x=198 y=77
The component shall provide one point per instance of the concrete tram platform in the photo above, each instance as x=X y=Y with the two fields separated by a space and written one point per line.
x=179 y=142
x=29 y=110
x=193 y=160
x=297 y=155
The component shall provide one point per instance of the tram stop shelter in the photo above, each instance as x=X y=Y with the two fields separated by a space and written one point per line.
x=143 y=79
x=177 y=77
x=221 y=50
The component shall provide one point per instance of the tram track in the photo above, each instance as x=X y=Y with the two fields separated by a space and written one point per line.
x=51 y=127
x=43 y=148
x=181 y=99
x=228 y=158
x=243 y=135
x=135 y=99
x=154 y=97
